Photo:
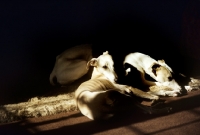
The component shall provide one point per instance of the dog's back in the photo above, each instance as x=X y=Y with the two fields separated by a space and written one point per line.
x=99 y=99
x=93 y=85
x=141 y=61
x=70 y=65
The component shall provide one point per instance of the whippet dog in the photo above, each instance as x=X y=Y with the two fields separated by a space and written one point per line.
x=158 y=70
x=70 y=65
x=101 y=98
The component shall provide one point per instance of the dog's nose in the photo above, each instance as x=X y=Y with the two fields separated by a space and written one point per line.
x=116 y=78
x=170 y=78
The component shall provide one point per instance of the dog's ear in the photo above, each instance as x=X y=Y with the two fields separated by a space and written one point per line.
x=106 y=52
x=161 y=61
x=154 y=68
x=92 y=62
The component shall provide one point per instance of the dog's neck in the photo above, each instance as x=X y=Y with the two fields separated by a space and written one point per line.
x=97 y=75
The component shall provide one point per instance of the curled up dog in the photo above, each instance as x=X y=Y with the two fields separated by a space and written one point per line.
x=69 y=65
x=158 y=70
x=101 y=98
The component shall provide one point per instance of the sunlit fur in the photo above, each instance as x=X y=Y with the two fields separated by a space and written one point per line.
x=104 y=65
x=70 y=65
x=93 y=96
x=158 y=70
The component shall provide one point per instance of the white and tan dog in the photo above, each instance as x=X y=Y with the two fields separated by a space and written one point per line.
x=158 y=70
x=101 y=98
x=70 y=65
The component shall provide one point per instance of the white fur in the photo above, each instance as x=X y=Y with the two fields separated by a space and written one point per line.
x=70 y=65
x=91 y=96
x=104 y=65
x=144 y=64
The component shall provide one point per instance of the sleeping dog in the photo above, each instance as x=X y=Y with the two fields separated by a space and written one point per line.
x=101 y=98
x=158 y=70
x=70 y=65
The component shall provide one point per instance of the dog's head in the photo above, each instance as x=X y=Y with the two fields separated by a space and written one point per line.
x=162 y=72
x=104 y=65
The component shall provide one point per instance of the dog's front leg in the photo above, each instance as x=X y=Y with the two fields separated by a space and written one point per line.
x=135 y=91
x=162 y=91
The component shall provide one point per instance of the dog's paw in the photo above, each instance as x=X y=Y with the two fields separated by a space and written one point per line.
x=192 y=88
x=153 y=96
x=195 y=81
x=194 y=84
x=172 y=85
x=170 y=93
x=156 y=88
x=177 y=89
x=188 y=88
x=127 y=90
x=124 y=88
x=158 y=84
x=165 y=93
x=158 y=93
x=173 y=94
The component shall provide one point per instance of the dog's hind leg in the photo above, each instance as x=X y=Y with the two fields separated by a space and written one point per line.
x=143 y=94
x=162 y=91
x=136 y=92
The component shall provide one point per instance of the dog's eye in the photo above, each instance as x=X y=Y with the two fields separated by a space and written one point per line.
x=170 y=78
x=105 y=67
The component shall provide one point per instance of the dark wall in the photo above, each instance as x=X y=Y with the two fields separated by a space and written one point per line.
x=32 y=34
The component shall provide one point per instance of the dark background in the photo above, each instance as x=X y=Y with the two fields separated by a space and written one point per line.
x=32 y=34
